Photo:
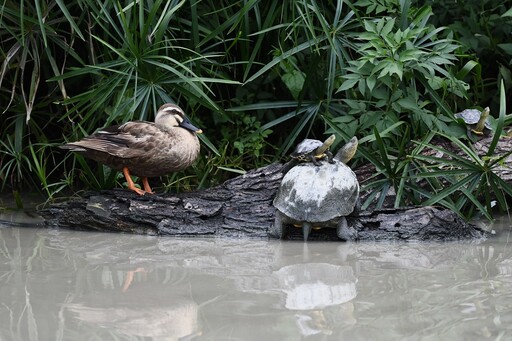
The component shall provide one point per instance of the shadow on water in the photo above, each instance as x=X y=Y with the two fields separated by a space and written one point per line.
x=68 y=285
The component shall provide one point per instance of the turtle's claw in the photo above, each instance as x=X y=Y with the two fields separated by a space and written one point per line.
x=306 y=230
x=316 y=162
x=330 y=157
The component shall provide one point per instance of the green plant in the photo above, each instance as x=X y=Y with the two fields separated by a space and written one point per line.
x=393 y=162
x=36 y=40
x=13 y=162
x=257 y=76
x=311 y=46
x=460 y=179
x=483 y=30
x=467 y=183
x=242 y=148
x=402 y=59
x=141 y=66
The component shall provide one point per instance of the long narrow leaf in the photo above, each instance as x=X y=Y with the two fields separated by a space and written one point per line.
x=384 y=133
x=383 y=152
x=450 y=190
x=501 y=120
x=69 y=17
x=401 y=186
x=498 y=192
x=285 y=55
x=477 y=203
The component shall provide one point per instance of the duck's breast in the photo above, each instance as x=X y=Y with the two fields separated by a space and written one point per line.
x=166 y=152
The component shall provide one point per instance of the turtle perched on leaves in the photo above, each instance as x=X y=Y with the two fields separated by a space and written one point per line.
x=318 y=196
x=477 y=121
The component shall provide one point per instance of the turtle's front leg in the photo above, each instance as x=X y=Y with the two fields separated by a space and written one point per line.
x=344 y=231
x=315 y=160
x=329 y=156
x=306 y=230
x=277 y=230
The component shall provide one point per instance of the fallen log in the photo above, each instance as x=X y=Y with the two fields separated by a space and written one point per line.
x=241 y=207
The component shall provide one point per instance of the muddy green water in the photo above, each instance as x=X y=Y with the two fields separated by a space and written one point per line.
x=69 y=285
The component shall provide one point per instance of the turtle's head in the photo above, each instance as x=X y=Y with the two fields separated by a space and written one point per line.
x=486 y=112
x=347 y=152
x=326 y=145
x=480 y=125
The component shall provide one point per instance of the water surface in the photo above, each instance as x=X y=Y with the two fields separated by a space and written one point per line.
x=70 y=285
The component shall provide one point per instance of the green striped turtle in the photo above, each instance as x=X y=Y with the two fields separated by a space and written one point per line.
x=313 y=150
x=476 y=120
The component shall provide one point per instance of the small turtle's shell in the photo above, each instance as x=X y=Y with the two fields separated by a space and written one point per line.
x=318 y=194
x=471 y=116
x=306 y=147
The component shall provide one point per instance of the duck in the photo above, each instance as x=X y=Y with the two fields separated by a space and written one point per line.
x=145 y=149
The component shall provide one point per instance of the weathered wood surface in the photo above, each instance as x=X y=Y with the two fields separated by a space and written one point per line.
x=241 y=207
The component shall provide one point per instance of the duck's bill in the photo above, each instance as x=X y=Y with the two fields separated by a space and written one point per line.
x=187 y=125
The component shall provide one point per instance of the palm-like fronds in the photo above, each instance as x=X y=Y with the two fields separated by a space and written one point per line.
x=254 y=74
x=467 y=182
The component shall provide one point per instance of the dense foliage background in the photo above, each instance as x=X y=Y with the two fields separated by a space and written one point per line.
x=257 y=76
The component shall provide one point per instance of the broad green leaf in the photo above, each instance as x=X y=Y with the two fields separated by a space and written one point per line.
x=508 y=13
x=294 y=81
x=388 y=27
x=507 y=47
x=348 y=84
x=371 y=81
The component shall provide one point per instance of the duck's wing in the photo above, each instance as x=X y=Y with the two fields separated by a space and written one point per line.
x=128 y=140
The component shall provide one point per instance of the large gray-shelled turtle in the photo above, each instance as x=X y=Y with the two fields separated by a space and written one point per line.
x=313 y=150
x=318 y=196
x=476 y=120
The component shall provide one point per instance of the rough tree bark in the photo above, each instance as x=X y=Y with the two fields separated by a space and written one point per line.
x=241 y=207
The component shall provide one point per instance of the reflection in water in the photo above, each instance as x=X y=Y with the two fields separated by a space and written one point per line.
x=311 y=287
x=67 y=285
x=316 y=285
x=126 y=314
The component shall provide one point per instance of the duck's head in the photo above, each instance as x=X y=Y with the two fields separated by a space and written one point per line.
x=170 y=116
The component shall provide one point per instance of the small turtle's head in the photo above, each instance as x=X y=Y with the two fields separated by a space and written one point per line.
x=330 y=140
x=347 y=152
x=481 y=124
x=326 y=145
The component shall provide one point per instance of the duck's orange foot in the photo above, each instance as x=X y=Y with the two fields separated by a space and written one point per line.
x=147 y=188
x=131 y=185
x=137 y=190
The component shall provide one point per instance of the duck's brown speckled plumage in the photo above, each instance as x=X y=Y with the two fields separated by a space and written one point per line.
x=146 y=149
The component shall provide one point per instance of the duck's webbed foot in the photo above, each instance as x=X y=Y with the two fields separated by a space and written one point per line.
x=147 y=188
x=131 y=185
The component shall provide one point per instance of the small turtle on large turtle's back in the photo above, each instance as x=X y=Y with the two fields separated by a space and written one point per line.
x=314 y=150
x=318 y=196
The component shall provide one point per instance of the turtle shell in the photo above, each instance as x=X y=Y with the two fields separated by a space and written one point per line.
x=305 y=147
x=318 y=194
x=471 y=116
